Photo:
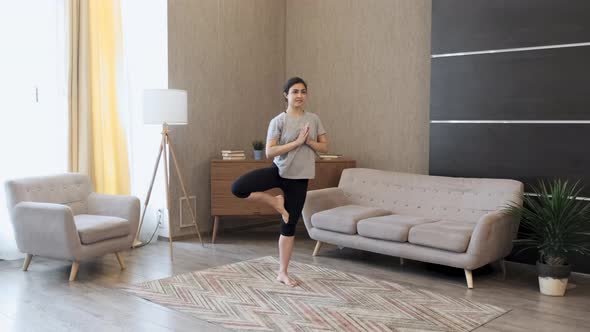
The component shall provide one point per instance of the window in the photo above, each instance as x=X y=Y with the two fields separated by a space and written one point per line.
x=145 y=52
x=33 y=97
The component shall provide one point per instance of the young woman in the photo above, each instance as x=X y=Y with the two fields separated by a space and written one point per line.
x=293 y=139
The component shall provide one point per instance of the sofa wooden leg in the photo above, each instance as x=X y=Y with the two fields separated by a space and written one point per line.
x=27 y=262
x=318 y=245
x=120 y=259
x=469 y=277
x=401 y=261
x=74 y=272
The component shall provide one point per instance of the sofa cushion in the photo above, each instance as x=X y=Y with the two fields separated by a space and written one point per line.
x=343 y=219
x=445 y=234
x=391 y=228
x=93 y=228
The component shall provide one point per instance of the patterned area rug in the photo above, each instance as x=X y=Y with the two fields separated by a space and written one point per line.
x=245 y=296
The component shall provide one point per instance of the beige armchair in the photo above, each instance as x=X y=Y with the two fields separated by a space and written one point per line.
x=60 y=217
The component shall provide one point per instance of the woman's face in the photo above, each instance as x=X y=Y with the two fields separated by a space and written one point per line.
x=297 y=95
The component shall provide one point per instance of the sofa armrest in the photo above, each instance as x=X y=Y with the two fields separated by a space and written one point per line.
x=493 y=235
x=122 y=206
x=46 y=229
x=320 y=200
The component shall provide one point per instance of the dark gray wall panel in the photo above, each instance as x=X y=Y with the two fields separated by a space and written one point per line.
x=524 y=152
x=579 y=263
x=549 y=84
x=475 y=25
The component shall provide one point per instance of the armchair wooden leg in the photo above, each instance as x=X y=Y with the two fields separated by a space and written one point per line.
x=469 y=277
x=318 y=245
x=120 y=259
x=74 y=272
x=27 y=262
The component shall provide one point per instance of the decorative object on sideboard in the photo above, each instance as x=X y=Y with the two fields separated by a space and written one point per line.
x=258 y=147
x=233 y=155
x=165 y=107
x=327 y=156
x=556 y=224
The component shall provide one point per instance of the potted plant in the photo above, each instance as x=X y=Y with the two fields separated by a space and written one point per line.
x=258 y=147
x=556 y=224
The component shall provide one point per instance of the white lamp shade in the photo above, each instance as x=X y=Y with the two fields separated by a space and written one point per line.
x=164 y=105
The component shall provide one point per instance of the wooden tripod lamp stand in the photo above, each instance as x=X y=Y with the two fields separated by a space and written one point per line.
x=164 y=107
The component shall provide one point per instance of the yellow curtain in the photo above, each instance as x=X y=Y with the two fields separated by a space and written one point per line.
x=79 y=89
x=98 y=144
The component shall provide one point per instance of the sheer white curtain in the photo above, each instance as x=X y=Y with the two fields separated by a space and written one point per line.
x=33 y=98
x=145 y=53
x=33 y=95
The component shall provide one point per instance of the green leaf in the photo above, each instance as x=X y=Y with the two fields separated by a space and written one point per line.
x=553 y=221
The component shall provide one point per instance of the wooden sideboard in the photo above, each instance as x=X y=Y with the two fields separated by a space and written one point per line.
x=225 y=172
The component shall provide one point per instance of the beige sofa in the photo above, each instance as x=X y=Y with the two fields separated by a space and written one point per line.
x=443 y=220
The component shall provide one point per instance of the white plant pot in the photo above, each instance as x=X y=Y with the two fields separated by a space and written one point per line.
x=553 y=278
x=552 y=287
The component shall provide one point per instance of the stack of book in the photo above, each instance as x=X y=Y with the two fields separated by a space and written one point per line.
x=233 y=154
x=330 y=156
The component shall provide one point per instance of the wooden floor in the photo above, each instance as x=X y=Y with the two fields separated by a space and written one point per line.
x=42 y=299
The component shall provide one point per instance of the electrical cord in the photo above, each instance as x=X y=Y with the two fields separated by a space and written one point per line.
x=155 y=230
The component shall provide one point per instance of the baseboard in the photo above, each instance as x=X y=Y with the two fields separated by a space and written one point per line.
x=533 y=268
x=251 y=226
x=183 y=237
x=179 y=237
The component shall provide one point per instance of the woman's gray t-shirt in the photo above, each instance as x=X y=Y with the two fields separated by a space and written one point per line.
x=298 y=163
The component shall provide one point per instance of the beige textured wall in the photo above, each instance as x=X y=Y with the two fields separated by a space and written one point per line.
x=230 y=57
x=367 y=64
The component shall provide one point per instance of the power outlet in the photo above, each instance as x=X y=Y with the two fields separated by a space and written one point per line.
x=162 y=216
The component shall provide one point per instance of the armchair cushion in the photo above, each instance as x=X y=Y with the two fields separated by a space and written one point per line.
x=95 y=228
x=124 y=207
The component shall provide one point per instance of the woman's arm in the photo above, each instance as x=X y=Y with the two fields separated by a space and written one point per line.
x=273 y=149
x=321 y=145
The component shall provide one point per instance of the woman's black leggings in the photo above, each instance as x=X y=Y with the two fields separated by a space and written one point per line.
x=264 y=179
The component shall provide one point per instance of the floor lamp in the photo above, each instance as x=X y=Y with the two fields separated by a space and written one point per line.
x=164 y=107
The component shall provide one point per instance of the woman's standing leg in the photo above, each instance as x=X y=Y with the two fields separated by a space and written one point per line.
x=252 y=186
x=295 y=192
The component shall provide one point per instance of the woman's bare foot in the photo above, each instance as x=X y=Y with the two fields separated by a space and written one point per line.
x=280 y=207
x=284 y=278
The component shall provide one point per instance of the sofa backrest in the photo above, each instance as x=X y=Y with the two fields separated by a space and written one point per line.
x=461 y=199
x=71 y=189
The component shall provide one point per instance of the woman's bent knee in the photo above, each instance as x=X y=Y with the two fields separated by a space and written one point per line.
x=288 y=229
x=238 y=191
